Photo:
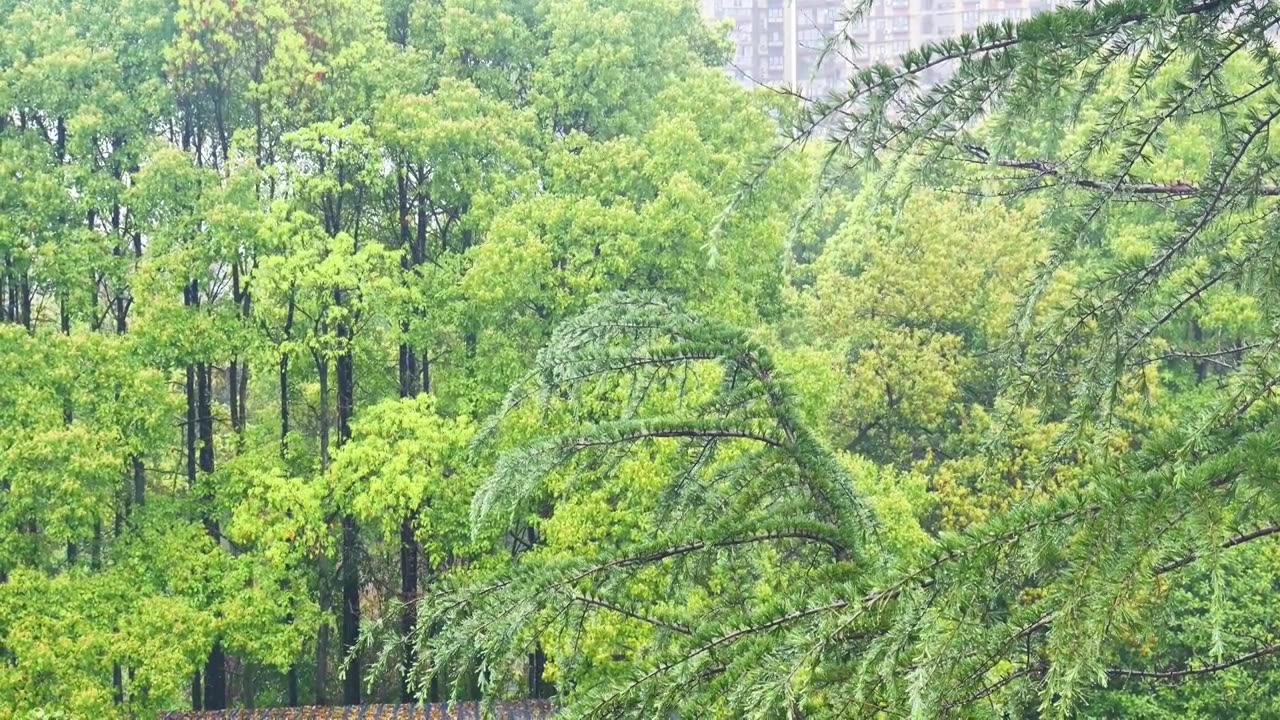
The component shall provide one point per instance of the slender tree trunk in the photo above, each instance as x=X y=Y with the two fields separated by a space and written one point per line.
x=350 y=532
x=322 y=372
x=121 y=307
x=323 y=639
x=408 y=596
x=408 y=366
x=190 y=427
x=197 y=692
x=537 y=663
x=68 y=413
x=291 y=676
x=215 y=672
x=60 y=140
x=139 y=482
x=139 y=471
x=5 y=289
x=64 y=316
x=204 y=424
x=323 y=569
x=408 y=262
x=233 y=367
x=284 y=380
x=233 y=395
x=26 y=301
x=95 y=550
x=212 y=694
x=284 y=405
x=408 y=388
x=136 y=481
x=190 y=300
x=352 y=681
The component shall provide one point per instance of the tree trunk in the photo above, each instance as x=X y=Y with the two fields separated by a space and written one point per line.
x=409 y=259
x=197 y=692
x=190 y=427
x=291 y=676
x=68 y=412
x=350 y=534
x=325 y=601
x=352 y=681
x=284 y=381
x=25 y=298
x=322 y=373
x=238 y=370
x=215 y=669
x=322 y=636
x=215 y=686
x=233 y=395
x=409 y=597
x=215 y=672
x=139 y=482
x=200 y=425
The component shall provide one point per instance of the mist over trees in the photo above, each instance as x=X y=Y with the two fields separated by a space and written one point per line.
x=380 y=351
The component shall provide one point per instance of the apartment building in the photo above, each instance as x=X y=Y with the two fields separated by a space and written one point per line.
x=779 y=42
x=891 y=27
x=787 y=42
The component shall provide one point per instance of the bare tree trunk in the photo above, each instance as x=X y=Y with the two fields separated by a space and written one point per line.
x=323 y=569
x=350 y=631
x=212 y=693
x=409 y=553
x=408 y=596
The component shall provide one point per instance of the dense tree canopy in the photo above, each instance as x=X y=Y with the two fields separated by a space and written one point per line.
x=366 y=351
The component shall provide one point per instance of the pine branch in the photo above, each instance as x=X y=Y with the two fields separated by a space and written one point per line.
x=1045 y=168
x=1188 y=673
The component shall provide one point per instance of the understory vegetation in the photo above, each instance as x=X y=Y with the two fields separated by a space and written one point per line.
x=365 y=351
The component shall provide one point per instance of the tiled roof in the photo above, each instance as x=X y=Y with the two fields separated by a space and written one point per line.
x=523 y=710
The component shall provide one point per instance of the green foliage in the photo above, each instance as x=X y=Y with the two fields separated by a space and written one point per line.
x=971 y=416
x=263 y=260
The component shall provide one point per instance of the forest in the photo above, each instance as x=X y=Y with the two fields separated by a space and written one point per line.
x=399 y=351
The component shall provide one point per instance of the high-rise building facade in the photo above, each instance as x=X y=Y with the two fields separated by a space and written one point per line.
x=788 y=42
x=891 y=27
x=815 y=64
x=759 y=38
x=779 y=42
